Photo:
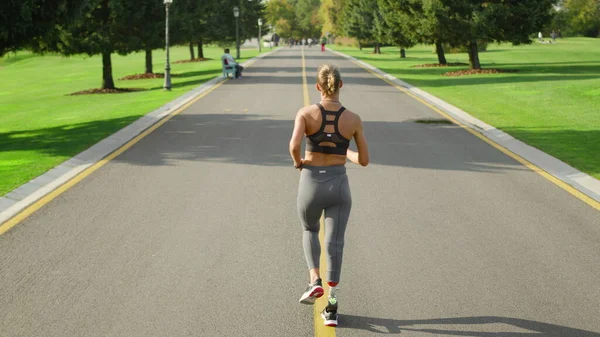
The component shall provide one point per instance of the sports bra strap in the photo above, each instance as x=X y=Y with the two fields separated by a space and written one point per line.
x=314 y=141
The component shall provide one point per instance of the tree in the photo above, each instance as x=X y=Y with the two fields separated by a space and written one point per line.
x=358 y=20
x=584 y=16
x=144 y=22
x=25 y=23
x=190 y=22
x=471 y=21
x=250 y=11
x=427 y=22
x=282 y=15
x=397 y=27
x=96 y=30
x=332 y=16
x=307 y=16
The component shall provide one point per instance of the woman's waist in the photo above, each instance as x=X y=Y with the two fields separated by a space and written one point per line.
x=326 y=160
x=320 y=171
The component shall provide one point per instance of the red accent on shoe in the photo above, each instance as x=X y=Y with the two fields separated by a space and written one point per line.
x=332 y=284
x=331 y=324
x=317 y=292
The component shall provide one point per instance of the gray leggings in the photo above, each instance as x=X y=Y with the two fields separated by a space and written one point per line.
x=324 y=188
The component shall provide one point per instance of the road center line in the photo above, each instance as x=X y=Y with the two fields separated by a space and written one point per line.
x=320 y=329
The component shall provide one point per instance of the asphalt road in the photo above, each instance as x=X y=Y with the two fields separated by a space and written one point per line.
x=193 y=231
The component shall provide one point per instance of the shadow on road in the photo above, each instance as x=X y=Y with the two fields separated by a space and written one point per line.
x=396 y=327
x=254 y=139
x=249 y=139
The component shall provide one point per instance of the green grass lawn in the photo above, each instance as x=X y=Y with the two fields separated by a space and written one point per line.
x=552 y=103
x=42 y=126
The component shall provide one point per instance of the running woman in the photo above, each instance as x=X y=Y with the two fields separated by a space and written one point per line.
x=328 y=128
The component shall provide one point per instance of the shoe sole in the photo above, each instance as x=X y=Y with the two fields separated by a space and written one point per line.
x=314 y=294
x=329 y=322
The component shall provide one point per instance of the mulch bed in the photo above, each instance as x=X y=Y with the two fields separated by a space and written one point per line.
x=145 y=76
x=478 y=72
x=194 y=60
x=106 y=91
x=435 y=65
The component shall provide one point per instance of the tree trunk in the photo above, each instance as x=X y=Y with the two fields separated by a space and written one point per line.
x=148 y=60
x=473 y=55
x=192 y=51
x=439 y=50
x=359 y=46
x=200 y=50
x=107 y=79
x=402 y=53
x=377 y=49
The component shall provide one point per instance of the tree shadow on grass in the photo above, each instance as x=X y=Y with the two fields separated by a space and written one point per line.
x=63 y=140
x=466 y=326
x=12 y=58
x=408 y=59
x=470 y=80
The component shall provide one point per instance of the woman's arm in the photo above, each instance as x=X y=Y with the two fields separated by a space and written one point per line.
x=296 y=141
x=362 y=156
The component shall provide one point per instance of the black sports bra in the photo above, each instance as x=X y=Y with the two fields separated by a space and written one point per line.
x=341 y=144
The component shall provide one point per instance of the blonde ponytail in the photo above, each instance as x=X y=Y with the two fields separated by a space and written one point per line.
x=328 y=78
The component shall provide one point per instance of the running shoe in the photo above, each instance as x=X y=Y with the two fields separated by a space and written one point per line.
x=329 y=314
x=314 y=291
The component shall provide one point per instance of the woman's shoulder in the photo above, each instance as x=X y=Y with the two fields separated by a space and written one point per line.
x=352 y=115
x=309 y=110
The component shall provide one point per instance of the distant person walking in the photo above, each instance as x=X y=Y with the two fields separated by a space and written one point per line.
x=323 y=41
x=540 y=37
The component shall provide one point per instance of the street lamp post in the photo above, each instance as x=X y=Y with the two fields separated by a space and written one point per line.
x=167 y=84
x=236 y=13
x=259 y=34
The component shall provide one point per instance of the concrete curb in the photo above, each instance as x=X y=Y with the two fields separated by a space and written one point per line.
x=582 y=182
x=22 y=197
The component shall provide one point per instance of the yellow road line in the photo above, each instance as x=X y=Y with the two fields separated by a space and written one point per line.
x=10 y=223
x=320 y=329
x=581 y=196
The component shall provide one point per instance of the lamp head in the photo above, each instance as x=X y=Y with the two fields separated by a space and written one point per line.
x=236 y=11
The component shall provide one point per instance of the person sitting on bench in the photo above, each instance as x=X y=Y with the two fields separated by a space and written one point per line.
x=229 y=61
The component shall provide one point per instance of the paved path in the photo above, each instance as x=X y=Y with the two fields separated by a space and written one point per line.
x=193 y=231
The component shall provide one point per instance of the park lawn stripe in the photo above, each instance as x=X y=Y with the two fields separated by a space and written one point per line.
x=41 y=125
x=552 y=103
